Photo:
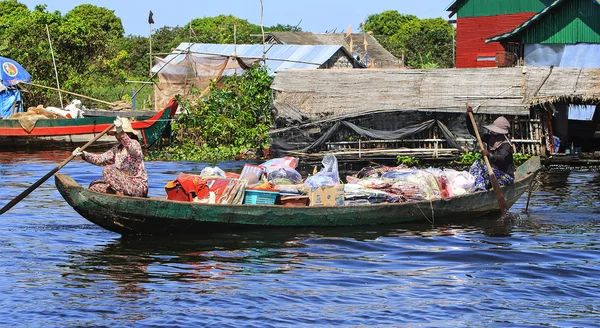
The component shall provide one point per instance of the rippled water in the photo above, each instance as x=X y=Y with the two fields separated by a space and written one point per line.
x=57 y=269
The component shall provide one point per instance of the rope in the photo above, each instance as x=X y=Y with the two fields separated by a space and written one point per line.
x=477 y=107
x=432 y=221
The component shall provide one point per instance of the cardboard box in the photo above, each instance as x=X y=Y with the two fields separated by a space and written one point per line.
x=327 y=196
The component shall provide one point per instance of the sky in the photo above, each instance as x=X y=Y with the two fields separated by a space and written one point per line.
x=318 y=16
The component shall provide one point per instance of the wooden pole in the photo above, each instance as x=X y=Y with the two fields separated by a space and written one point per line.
x=262 y=29
x=72 y=93
x=499 y=195
x=49 y=174
x=150 y=41
x=55 y=70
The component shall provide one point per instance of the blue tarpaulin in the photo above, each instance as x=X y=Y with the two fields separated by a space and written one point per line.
x=582 y=55
x=8 y=99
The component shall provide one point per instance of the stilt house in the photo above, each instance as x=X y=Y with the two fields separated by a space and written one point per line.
x=377 y=114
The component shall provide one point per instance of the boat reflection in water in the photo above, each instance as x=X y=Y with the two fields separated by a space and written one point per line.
x=132 y=261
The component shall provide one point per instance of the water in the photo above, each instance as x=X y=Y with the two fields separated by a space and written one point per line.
x=57 y=269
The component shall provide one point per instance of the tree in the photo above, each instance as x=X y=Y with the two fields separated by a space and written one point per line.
x=165 y=39
x=387 y=23
x=220 y=30
x=425 y=42
x=283 y=28
x=136 y=64
x=84 y=43
x=23 y=38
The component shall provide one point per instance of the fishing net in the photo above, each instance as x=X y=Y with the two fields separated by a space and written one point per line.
x=391 y=126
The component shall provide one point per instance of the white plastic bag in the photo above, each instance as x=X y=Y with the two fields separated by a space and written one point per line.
x=329 y=174
x=460 y=180
x=212 y=172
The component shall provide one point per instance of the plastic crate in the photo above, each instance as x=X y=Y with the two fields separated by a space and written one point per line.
x=294 y=200
x=260 y=197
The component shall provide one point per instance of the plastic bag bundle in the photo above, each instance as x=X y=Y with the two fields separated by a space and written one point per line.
x=284 y=176
x=461 y=182
x=329 y=174
x=442 y=180
x=410 y=191
x=212 y=172
x=373 y=196
x=432 y=184
x=425 y=182
x=397 y=175
x=252 y=173
x=374 y=183
x=281 y=162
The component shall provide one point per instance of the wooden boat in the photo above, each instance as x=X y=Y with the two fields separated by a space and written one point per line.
x=72 y=132
x=134 y=215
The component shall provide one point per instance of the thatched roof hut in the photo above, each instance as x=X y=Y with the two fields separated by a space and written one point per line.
x=319 y=94
x=315 y=108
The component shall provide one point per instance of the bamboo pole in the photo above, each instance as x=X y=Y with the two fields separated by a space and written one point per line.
x=72 y=93
x=55 y=70
x=150 y=46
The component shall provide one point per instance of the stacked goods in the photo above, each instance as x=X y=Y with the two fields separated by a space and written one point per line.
x=409 y=184
x=277 y=182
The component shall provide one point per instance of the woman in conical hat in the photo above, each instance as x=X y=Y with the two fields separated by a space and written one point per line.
x=499 y=150
x=124 y=172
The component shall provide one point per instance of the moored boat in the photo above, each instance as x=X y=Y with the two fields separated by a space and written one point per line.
x=69 y=133
x=134 y=215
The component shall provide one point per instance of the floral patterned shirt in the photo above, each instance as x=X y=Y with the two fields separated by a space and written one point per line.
x=128 y=157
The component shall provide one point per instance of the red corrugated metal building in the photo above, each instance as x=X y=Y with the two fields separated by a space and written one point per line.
x=478 y=20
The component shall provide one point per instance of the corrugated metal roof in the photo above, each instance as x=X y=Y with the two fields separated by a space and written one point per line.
x=478 y=8
x=529 y=22
x=375 y=53
x=279 y=56
x=452 y=8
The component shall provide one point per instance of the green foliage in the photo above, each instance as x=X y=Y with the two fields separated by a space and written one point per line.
x=387 y=23
x=468 y=158
x=189 y=151
x=424 y=62
x=424 y=43
x=233 y=117
x=220 y=29
x=137 y=61
x=407 y=160
x=83 y=42
x=167 y=38
x=519 y=158
x=283 y=28
x=432 y=36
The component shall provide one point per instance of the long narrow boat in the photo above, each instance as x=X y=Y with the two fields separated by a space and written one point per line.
x=133 y=215
x=73 y=132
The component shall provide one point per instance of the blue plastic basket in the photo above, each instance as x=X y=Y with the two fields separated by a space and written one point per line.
x=260 y=197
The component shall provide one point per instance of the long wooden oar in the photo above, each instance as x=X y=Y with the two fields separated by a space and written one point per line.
x=49 y=174
x=499 y=195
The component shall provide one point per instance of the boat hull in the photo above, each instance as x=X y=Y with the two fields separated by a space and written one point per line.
x=132 y=215
x=69 y=133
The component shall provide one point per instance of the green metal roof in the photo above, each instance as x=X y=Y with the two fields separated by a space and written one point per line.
x=528 y=23
x=479 y=8
x=453 y=7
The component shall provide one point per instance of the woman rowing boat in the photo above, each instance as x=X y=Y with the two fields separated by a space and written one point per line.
x=499 y=151
x=124 y=172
